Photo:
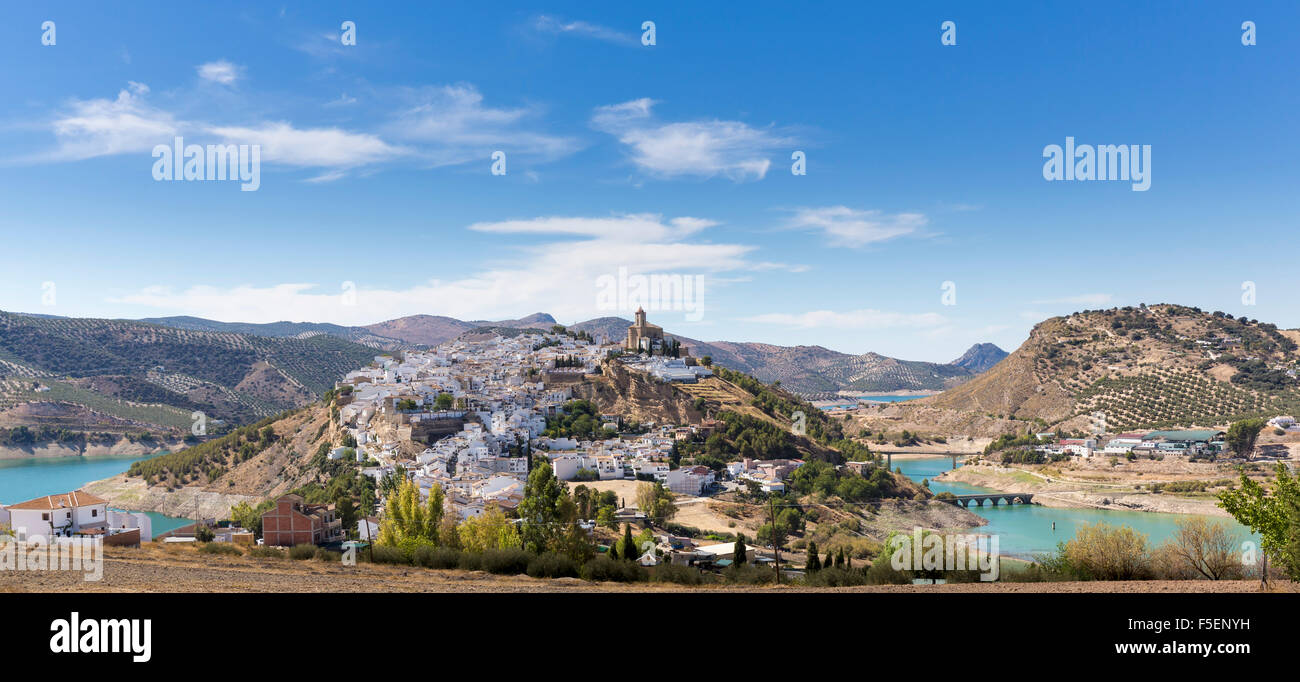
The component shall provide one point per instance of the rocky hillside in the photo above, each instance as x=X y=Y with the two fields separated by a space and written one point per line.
x=359 y=335
x=1149 y=366
x=980 y=357
x=814 y=369
x=151 y=376
x=431 y=330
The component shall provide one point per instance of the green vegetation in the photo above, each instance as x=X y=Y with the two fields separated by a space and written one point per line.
x=1273 y=512
x=580 y=420
x=207 y=458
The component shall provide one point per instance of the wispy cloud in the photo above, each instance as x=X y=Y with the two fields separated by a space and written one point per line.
x=559 y=275
x=103 y=127
x=220 y=71
x=844 y=226
x=311 y=147
x=552 y=26
x=455 y=126
x=436 y=126
x=852 y=319
x=703 y=149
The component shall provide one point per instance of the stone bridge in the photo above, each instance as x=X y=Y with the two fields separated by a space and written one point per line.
x=993 y=498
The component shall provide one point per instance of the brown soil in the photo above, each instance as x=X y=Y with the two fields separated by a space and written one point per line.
x=157 y=568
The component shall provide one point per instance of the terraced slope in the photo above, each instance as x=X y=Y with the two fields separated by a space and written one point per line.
x=1157 y=366
x=156 y=375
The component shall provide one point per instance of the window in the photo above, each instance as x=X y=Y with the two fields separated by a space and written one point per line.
x=94 y=513
x=45 y=517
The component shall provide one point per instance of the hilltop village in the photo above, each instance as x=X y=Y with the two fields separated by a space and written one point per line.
x=467 y=415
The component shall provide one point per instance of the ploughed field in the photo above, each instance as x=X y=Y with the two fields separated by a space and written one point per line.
x=158 y=568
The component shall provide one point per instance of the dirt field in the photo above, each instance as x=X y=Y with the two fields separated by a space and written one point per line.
x=183 y=569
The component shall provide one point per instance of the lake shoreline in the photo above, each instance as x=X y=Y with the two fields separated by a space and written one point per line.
x=1060 y=495
x=122 y=448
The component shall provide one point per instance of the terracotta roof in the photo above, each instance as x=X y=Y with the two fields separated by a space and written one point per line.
x=76 y=498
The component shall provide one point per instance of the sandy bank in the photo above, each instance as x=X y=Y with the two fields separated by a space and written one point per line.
x=134 y=495
x=122 y=448
x=1058 y=493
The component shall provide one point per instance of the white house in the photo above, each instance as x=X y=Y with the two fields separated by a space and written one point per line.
x=59 y=515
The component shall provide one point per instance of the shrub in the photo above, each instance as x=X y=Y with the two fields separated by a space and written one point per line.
x=470 y=561
x=747 y=574
x=323 y=554
x=300 y=552
x=266 y=552
x=836 y=577
x=603 y=568
x=552 y=565
x=1104 y=552
x=204 y=534
x=387 y=555
x=220 y=548
x=511 y=561
x=436 y=557
x=673 y=573
x=882 y=572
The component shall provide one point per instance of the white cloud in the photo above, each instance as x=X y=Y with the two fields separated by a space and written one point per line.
x=552 y=26
x=220 y=71
x=312 y=147
x=844 y=226
x=103 y=127
x=130 y=125
x=730 y=149
x=852 y=319
x=558 y=276
x=455 y=126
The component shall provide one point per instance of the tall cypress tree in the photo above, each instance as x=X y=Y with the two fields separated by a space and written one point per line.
x=814 y=561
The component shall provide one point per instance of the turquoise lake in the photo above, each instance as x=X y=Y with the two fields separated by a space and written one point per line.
x=25 y=479
x=1024 y=530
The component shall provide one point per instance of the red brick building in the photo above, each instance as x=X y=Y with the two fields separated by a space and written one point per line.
x=294 y=522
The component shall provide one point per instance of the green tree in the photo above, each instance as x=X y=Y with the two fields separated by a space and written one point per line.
x=408 y=522
x=627 y=549
x=1274 y=516
x=1242 y=436
x=544 y=511
x=739 y=554
x=444 y=401
x=814 y=562
x=655 y=501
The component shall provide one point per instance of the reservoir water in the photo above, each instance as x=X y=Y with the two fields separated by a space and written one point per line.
x=1024 y=530
x=25 y=479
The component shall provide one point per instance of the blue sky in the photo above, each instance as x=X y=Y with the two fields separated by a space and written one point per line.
x=924 y=163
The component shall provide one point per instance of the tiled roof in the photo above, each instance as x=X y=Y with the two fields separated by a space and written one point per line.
x=76 y=498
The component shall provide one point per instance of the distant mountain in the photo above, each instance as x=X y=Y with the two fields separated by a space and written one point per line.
x=1142 y=367
x=137 y=373
x=360 y=335
x=814 y=369
x=431 y=330
x=980 y=357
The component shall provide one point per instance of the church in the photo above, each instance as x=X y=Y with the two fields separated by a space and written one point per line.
x=642 y=334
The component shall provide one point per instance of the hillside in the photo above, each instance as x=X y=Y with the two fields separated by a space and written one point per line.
x=814 y=369
x=151 y=376
x=282 y=329
x=431 y=330
x=1157 y=366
